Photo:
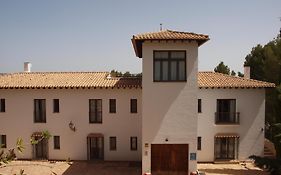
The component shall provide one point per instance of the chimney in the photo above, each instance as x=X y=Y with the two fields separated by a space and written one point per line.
x=27 y=66
x=247 y=72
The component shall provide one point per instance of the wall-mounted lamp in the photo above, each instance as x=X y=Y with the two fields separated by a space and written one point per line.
x=72 y=126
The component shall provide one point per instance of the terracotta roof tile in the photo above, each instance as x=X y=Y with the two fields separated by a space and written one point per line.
x=138 y=39
x=65 y=79
x=170 y=34
x=99 y=79
x=218 y=80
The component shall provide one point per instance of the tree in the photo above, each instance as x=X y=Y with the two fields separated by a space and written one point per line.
x=240 y=74
x=233 y=73
x=222 y=68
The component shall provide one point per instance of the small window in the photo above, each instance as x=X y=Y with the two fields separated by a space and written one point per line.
x=134 y=106
x=56 y=142
x=199 y=106
x=95 y=111
x=199 y=139
x=112 y=143
x=3 y=143
x=2 y=105
x=112 y=105
x=39 y=110
x=56 y=105
x=134 y=143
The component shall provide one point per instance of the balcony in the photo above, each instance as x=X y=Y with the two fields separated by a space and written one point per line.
x=227 y=118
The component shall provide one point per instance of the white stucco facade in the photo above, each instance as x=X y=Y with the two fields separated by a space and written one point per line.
x=18 y=121
x=250 y=103
x=169 y=108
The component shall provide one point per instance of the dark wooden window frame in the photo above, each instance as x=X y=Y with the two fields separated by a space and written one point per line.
x=56 y=142
x=94 y=119
x=42 y=109
x=199 y=143
x=132 y=146
x=112 y=105
x=169 y=60
x=199 y=105
x=2 y=105
x=113 y=143
x=219 y=114
x=56 y=105
x=134 y=105
x=3 y=141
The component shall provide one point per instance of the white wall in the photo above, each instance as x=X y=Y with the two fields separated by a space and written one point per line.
x=169 y=108
x=17 y=121
x=251 y=105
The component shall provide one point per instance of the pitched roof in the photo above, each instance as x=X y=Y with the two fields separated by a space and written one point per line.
x=65 y=80
x=219 y=80
x=138 y=39
x=101 y=80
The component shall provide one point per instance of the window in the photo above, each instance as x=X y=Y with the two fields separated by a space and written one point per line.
x=3 y=143
x=112 y=105
x=56 y=105
x=169 y=66
x=226 y=111
x=56 y=142
x=112 y=143
x=134 y=143
x=199 y=106
x=134 y=106
x=226 y=147
x=199 y=143
x=2 y=105
x=95 y=111
x=39 y=110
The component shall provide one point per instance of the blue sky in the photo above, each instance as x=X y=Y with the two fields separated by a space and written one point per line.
x=84 y=35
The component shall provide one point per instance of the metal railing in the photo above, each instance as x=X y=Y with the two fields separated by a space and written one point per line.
x=227 y=118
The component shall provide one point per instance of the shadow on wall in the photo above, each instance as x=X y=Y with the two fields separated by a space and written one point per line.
x=101 y=167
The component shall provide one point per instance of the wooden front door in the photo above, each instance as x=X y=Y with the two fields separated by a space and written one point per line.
x=170 y=159
x=41 y=148
x=95 y=148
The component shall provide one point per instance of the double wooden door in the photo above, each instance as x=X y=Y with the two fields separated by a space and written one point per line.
x=169 y=159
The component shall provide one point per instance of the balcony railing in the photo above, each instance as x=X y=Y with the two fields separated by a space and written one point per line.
x=227 y=118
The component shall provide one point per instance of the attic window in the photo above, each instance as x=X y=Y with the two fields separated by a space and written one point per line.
x=169 y=66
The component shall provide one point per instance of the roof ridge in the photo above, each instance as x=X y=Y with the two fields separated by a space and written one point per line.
x=176 y=31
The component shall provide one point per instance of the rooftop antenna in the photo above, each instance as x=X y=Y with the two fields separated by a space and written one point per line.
x=160 y=26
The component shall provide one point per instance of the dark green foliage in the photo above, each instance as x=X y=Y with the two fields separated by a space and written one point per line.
x=272 y=165
x=233 y=73
x=222 y=68
x=240 y=74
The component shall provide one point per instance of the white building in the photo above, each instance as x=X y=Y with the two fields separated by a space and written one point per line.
x=169 y=119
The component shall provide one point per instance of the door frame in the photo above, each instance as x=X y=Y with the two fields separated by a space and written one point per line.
x=89 y=137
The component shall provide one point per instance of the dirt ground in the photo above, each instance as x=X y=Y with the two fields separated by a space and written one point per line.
x=113 y=168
